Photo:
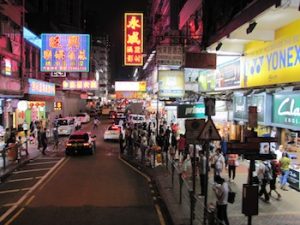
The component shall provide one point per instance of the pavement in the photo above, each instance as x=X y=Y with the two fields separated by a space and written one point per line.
x=284 y=211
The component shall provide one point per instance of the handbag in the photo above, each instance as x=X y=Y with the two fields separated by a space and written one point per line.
x=231 y=195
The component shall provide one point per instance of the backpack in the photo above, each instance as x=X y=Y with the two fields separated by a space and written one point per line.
x=268 y=173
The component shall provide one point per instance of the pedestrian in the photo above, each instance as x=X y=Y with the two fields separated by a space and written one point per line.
x=232 y=164
x=6 y=137
x=174 y=140
x=95 y=123
x=39 y=138
x=56 y=138
x=275 y=172
x=264 y=175
x=121 y=142
x=285 y=162
x=187 y=167
x=44 y=141
x=144 y=144
x=202 y=172
x=181 y=144
x=25 y=128
x=221 y=189
x=217 y=162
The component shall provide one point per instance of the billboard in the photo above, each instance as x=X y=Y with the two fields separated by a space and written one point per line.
x=65 y=52
x=80 y=85
x=133 y=39
x=38 y=87
x=171 y=83
x=130 y=86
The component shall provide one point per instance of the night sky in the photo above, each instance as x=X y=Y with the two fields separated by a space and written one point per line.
x=109 y=19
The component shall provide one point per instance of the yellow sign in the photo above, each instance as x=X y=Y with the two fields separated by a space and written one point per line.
x=268 y=63
x=171 y=83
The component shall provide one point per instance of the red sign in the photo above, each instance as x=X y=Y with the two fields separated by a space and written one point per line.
x=133 y=39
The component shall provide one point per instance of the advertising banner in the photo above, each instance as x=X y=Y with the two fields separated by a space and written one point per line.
x=131 y=86
x=207 y=80
x=65 y=52
x=80 y=85
x=171 y=83
x=276 y=62
x=286 y=110
x=240 y=111
x=133 y=39
x=129 y=95
x=191 y=111
x=38 y=87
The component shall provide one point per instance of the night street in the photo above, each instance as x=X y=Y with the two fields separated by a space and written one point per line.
x=97 y=189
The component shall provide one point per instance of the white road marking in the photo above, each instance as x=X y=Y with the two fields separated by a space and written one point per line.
x=8 y=204
x=33 y=170
x=14 y=190
x=41 y=163
x=23 y=179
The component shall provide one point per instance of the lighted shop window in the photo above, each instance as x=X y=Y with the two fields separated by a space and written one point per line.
x=133 y=38
x=86 y=84
x=133 y=23
x=73 y=41
x=93 y=84
x=79 y=84
x=54 y=42
x=72 y=84
x=65 y=84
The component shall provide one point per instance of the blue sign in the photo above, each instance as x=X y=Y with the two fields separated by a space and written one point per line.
x=38 y=87
x=32 y=38
x=65 y=52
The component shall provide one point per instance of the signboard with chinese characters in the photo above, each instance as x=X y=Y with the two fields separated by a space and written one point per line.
x=169 y=55
x=286 y=110
x=65 y=52
x=130 y=95
x=58 y=74
x=171 y=83
x=133 y=39
x=38 y=87
x=57 y=106
x=80 y=85
x=6 y=67
x=130 y=86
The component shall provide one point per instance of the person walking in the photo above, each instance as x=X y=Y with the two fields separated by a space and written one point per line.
x=95 y=123
x=144 y=144
x=221 y=190
x=285 y=162
x=44 y=141
x=264 y=175
x=39 y=138
x=202 y=172
x=25 y=128
x=217 y=162
x=232 y=164
x=181 y=144
x=56 y=138
x=275 y=172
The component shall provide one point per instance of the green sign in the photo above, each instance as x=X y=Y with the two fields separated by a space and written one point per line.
x=191 y=111
x=286 y=110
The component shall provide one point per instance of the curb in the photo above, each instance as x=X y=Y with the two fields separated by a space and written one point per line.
x=153 y=186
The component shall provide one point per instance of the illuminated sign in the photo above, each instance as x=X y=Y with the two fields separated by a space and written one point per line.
x=58 y=74
x=80 y=85
x=130 y=86
x=38 y=87
x=133 y=39
x=65 y=52
x=6 y=67
x=276 y=62
x=57 y=106
x=171 y=83
x=130 y=95
x=32 y=38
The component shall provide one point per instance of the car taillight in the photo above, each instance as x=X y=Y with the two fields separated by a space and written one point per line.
x=68 y=144
x=87 y=145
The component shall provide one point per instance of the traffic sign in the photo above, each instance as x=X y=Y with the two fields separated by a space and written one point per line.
x=193 y=129
x=209 y=132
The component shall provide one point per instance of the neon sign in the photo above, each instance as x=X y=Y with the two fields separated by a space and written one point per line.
x=80 y=85
x=38 y=87
x=133 y=39
x=65 y=52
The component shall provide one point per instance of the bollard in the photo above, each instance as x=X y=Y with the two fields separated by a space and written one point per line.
x=192 y=206
x=180 y=187
x=4 y=157
x=173 y=172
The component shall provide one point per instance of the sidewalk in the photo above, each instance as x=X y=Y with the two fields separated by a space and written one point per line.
x=277 y=212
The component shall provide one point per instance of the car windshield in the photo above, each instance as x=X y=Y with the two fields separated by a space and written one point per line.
x=80 y=115
x=62 y=122
x=84 y=137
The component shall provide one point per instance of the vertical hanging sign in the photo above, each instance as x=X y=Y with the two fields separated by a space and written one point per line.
x=133 y=39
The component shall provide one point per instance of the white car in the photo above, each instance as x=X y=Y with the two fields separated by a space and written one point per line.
x=136 y=118
x=66 y=125
x=113 y=132
x=83 y=117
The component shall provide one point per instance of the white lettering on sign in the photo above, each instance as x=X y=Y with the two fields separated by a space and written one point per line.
x=292 y=111
x=194 y=110
x=240 y=108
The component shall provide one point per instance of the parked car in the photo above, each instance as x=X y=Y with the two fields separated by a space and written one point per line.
x=113 y=132
x=83 y=117
x=81 y=142
x=66 y=125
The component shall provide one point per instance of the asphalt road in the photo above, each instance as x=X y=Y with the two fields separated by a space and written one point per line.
x=98 y=189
